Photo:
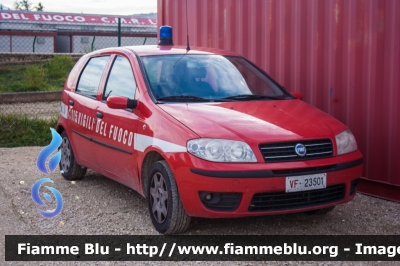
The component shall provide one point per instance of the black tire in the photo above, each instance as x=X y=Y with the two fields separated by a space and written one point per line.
x=321 y=211
x=165 y=206
x=69 y=168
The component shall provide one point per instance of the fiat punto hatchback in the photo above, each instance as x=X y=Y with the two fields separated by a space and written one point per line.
x=202 y=133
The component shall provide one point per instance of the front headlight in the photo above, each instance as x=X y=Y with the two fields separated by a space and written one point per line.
x=220 y=150
x=345 y=142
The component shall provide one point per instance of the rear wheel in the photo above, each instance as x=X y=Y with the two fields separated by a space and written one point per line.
x=70 y=169
x=165 y=206
x=321 y=211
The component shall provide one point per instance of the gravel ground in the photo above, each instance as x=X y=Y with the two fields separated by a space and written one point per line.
x=98 y=205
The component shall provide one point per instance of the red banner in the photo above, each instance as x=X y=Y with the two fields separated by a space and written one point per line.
x=73 y=18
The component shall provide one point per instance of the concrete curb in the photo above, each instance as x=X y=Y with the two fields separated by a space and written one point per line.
x=30 y=97
x=18 y=58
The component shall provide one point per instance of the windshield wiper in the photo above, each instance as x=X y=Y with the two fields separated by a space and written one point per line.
x=183 y=97
x=252 y=97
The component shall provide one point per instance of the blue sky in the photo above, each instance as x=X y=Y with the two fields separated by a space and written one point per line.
x=114 y=7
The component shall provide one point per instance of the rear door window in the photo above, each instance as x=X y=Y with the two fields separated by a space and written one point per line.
x=121 y=81
x=91 y=75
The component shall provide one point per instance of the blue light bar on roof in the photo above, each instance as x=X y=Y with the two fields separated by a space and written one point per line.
x=165 y=35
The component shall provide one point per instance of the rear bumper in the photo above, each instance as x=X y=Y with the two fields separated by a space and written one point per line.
x=194 y=176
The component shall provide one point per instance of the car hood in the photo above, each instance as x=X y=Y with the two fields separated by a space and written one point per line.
x=255 y=121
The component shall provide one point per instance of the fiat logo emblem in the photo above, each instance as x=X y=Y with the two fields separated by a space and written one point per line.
x=300 y=149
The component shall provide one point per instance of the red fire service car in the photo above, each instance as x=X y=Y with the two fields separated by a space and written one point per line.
x=202 y=132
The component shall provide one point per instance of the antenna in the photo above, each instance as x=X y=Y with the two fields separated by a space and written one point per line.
x=187 y=30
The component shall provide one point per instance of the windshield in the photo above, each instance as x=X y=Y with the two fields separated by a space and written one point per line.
x=185 y=78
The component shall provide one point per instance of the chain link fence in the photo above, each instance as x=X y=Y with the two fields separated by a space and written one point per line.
x=42 y=105
x=29 y=41
x=43 y=32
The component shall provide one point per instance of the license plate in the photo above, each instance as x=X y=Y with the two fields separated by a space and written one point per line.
x=305 y=182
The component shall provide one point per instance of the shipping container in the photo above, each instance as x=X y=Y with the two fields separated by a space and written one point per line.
x=343 y=55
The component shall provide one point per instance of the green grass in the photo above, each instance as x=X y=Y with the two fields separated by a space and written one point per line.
x=44 y=76
x=34 y=78
x=59 y=67
x=19 y=130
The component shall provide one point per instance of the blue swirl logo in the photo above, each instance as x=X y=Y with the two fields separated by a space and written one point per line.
x=41 y=165
x=47 y=151
x=36 y=198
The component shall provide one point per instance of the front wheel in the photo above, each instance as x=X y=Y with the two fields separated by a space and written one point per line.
x=69 y=168
x=165 y=206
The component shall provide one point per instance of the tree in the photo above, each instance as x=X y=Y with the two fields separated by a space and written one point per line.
x=39 y=7
x=26 y=5
x=17 y=5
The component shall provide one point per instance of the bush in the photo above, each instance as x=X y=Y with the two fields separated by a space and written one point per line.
x=19 y=130
x=60 y=66
x=35 y=78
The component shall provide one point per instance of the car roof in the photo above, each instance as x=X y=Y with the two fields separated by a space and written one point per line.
x=148 y=50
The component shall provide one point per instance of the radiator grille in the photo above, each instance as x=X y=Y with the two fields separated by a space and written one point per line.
x=277 y=201
x=285 y=151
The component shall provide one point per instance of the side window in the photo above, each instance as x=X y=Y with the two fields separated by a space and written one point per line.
x=121 y=81
x=91 y=76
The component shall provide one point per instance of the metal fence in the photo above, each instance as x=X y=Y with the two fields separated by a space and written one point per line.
x=42 y=105
x=68 y=42
x=43 y=32
x=26 y=37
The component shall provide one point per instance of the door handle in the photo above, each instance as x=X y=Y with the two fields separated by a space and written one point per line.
x=99 y=115
x=71 y=102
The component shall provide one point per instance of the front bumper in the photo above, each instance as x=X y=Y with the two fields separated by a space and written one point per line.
x=194 y=176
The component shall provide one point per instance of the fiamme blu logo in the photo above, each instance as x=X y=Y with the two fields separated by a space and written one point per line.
x=41 y=165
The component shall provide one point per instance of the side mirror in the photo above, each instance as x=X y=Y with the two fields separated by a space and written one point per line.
x=297 y=94
x=120 y=102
